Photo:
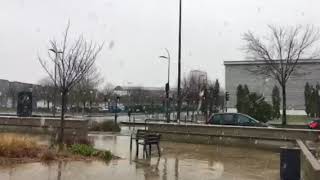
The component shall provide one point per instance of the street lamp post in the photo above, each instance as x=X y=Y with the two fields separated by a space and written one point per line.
x=91 y=97
x=84 y=103
x=116 y=111
x=179 y=64
x=56 y=52
x=167 y=85
x=109 y=108
x=168 y=58
x=129 y=101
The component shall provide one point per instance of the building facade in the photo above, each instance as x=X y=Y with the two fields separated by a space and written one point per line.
x=9 y=92
x=241 y=72
x=4 y=89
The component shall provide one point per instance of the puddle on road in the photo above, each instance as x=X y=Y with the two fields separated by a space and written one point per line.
x=179 y=161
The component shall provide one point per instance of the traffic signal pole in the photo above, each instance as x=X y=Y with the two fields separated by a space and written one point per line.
x=227 y=97
x=168 y=102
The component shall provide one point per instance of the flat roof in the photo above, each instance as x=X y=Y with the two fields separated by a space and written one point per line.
x=253 y=62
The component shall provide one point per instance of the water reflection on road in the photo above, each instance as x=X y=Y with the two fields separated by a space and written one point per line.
x=178 y=161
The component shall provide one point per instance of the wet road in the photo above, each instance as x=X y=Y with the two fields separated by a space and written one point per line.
x=179 y=161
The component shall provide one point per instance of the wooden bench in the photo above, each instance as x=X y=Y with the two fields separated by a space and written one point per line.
x=145 y=139
x=138 y=135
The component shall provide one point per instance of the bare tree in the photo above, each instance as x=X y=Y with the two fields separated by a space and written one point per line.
x=73 y=61
x=214 y=90
x=105 y=94
x=281 y=52
x=86 y=90
x=12 y=93
x=108 y=90
x=46 y=91
x=191 y=88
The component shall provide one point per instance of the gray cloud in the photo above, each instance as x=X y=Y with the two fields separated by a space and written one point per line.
x=141 y=29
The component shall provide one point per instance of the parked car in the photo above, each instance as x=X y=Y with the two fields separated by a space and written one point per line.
x=314 y=124
x=114 y=109
x=236 y=119
x=104 y=109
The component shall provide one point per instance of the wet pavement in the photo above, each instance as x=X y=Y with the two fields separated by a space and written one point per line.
x=179 y=161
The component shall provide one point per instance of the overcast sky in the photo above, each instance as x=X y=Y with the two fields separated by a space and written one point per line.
x=137 y=31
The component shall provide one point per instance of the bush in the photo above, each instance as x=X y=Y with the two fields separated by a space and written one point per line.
x=106 y=155
x=83 y=149
x=87 y=150
x=48 y=156
x=105 y=126
x=253 y=104
x=263 y=112
x=74 y=140
x=15 y=146
x=259 y=108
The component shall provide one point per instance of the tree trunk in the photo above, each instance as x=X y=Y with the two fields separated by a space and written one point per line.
x=63 y=108
x=188 y=105
x=48 y=105
x=13 y=102
x=284 y=105
x=193 y=109
x=83 y=107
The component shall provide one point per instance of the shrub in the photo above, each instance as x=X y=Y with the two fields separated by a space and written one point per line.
x=263 y=112
x=83 y=149
x=87 y=150
x=253 y=104
x=106 y=155
x=74 y=140
x=105 y=126
x=259 y=108
x=14 y=146
x=48 y=156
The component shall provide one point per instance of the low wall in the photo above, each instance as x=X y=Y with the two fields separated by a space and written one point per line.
x=232 y=135
x=74 y=127
x=310 y=166
x=291 y=126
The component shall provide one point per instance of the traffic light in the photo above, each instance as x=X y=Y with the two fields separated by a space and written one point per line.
x=227 y=96
x=167 y=89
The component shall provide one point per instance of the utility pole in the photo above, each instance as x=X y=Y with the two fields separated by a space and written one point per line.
x=179 y=65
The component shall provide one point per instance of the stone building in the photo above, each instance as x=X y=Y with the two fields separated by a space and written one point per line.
x=240 y=72
x=4 y=88
x=140 y=94
x=9 y=92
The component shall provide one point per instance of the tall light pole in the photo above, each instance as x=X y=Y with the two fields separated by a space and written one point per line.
x=116 y=111
x=168 y=58
x=56 y=52
x=179 y=65
x=129 y=101
x=168 y=84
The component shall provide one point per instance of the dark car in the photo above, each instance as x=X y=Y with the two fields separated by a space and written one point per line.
x=314 y=124
x=236 y=119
